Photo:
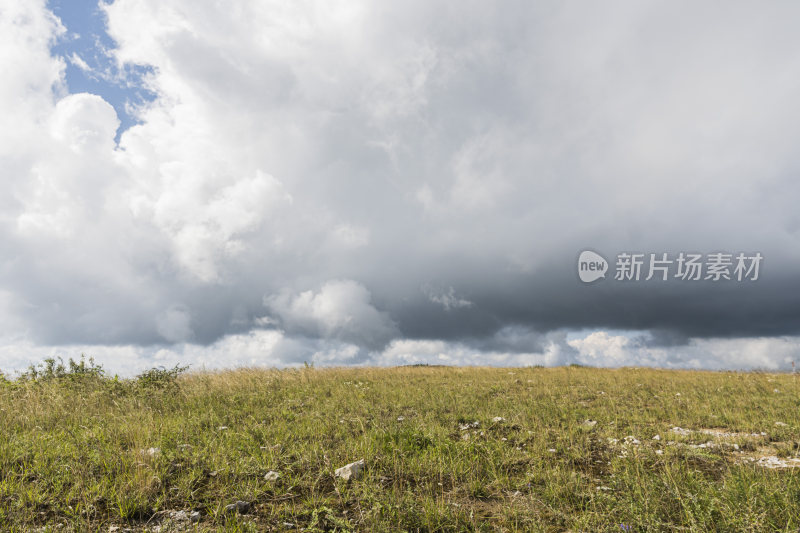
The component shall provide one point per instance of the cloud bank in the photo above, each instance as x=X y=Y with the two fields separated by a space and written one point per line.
x=352 y=183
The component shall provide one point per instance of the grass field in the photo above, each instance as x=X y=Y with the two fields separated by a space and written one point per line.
x=445 y=449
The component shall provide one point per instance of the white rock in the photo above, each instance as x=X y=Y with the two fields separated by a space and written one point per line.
x=498 y=419
x=772 y=461
x=657 y=437
x=271 y=475
x=400 y=418
x=351 y=471
x=588 y=423
x=194 y=516
x=222 y=428
x=152 y=452
x=781 y=424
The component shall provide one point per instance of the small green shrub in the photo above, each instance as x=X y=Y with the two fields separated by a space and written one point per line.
x=160 y=377
x=55 y=369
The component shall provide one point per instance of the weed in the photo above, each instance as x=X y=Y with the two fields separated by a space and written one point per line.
x=160 y=377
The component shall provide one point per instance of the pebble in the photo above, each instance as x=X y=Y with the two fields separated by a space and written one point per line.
x=351 y=471
x=240 y=506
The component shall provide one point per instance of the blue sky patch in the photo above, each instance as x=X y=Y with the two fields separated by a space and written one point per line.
x=87 y=49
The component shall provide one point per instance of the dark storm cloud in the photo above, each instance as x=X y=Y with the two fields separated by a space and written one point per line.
x=673 y=310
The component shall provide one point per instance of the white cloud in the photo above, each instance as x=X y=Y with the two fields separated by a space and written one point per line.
x=446 y=298
x=86 y=123
x=29 y=72
x=405 y=352
x=766 y=353
x=206 y=224
x=274 y=348
x=78 y=61
x=601 y=349
x=340 y=310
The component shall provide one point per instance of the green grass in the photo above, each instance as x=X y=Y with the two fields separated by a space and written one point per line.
x=73 y=452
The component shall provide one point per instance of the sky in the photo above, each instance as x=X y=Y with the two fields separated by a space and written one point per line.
x=273 y=183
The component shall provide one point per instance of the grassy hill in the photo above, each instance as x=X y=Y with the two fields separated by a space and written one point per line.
x=445 y=449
